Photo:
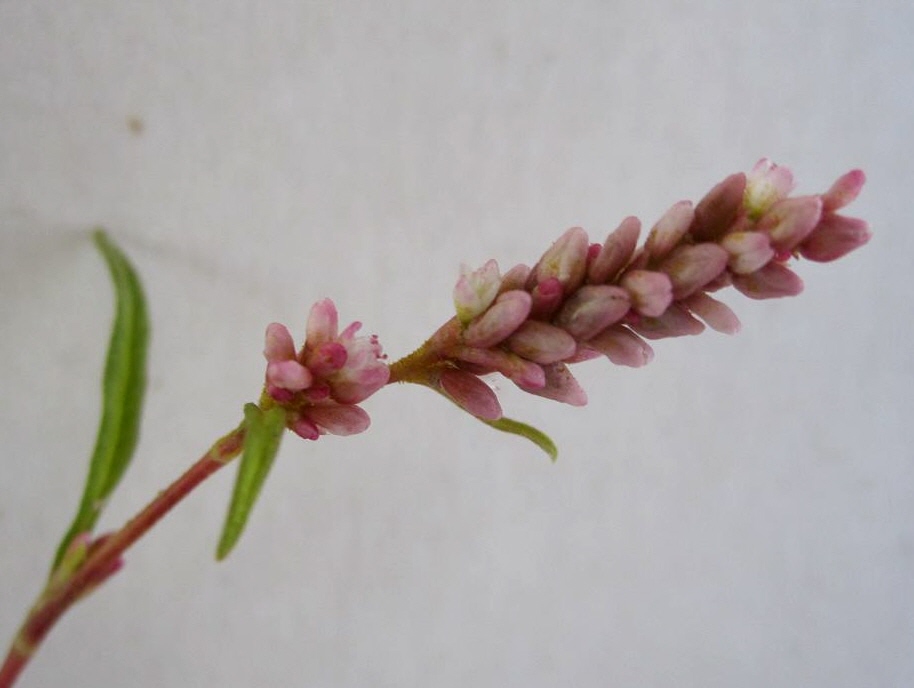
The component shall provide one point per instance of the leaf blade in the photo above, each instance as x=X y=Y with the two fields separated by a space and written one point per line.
x=123 y=389
x=263 y=433
x=538 y=437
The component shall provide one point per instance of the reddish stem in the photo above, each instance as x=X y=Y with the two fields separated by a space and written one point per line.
x=103 y=560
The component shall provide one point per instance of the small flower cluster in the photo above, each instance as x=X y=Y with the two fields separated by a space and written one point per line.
x=321 y=384
x=584 y=300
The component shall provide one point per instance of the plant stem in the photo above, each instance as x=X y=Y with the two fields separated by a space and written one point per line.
x=104 y=559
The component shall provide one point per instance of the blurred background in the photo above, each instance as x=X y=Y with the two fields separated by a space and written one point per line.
x=739 y=512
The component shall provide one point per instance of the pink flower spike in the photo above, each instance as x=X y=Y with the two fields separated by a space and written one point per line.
x=471 y=394
x=651 y=292
x=476 y=290
x=566 y=260
x=669 y=229
x=278 y=345
x=843 y=191
x=771 y=282
x=676 y=321
x=339 y=419
x=623 y=347
x=717 y=211
x=288 y=375
x=748 y=251
x=542 y=343
x=692 y=267
x=766 y=184
x=305 y=429
x=616 y=252
x=323 y=323
x=496 y=324
x=717 y=315
x=560 y=385
x=836 y=236
x=790 y=221
x=592 y=309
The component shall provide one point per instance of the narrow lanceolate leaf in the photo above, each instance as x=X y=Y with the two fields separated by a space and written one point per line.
x=123 y=386
x=263 y=432
x=539 y=438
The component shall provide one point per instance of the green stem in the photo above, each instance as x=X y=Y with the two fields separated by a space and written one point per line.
x=103 y=560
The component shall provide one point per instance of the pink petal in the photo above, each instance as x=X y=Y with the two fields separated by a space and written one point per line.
x=542 y=343
x=290 y=375
x=279 y=345
x=305 y=429
x=843 y=191
x=471 y=394
x=717 y=315
x=566 y=260
x=770 y=282
x=560 y=385
x=651 y=292
x=476 y=290
x=717 y=211
x=496 y=324
x=692 y=267
x=790 y=221
x=674 y=322
x=766 y=184
x=339 y=419
x=670 y=229
x=323 y=322
x=616 y=252
x=520 y=371
x=515 y=278
x=592 y=309
x=547 y=297
x=836 y=236
x=748 y=251
x=623 y=347
x=326 y=358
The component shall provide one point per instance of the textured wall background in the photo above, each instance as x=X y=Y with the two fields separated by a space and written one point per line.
x=739 y=513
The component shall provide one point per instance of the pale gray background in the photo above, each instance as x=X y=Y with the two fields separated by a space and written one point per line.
x=739 y=513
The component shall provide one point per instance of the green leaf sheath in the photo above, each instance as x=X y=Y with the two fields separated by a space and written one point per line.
x=123 y=387
x=539 y=438
x=263 y=432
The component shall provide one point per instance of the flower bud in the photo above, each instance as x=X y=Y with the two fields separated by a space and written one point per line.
x=476 y=290
x=339 y=419
x=566 y=260
x=542 y=343
x=279 y=345
x=651 y=292
x=836 y=236
x=790 y=221
x=515 y=278
x=692 y=267
x=547 y=297
x=560 y=385
x=617 y=250
x=674 y=322
x=521 y=372
x=496 y=324
x=623 y=347
x=470 y=393
x=843 y=191
x=592 y=309
x=748 y=251
x=717 y=211
x=770 y=282
x=717 y=315
x=323 y=323
x=766 y=184
x=669 y=230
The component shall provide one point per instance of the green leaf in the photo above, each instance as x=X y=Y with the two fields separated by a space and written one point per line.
x=263 y=432
x=538 y=437
x=123 y=386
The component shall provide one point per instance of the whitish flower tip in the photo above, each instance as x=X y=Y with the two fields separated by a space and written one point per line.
x=476 y=290
x=766 y=184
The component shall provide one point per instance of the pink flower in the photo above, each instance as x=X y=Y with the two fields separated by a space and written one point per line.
x=766 y=184
x=333 y=371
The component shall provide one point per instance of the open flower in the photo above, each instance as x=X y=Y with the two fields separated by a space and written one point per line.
x=321 y=383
